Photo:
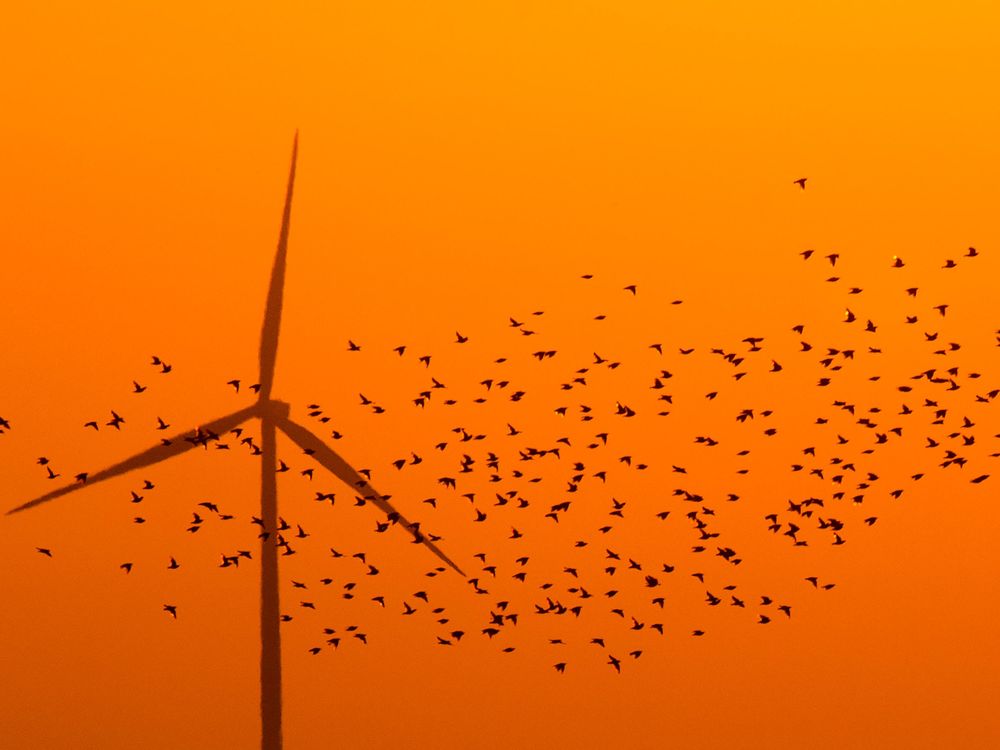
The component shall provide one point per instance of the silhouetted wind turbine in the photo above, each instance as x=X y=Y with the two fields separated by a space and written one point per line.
x=273 y=416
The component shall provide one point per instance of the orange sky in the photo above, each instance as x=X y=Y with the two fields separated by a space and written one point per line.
x=461 y=164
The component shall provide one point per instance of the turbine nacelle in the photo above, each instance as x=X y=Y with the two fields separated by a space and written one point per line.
x=272 y=409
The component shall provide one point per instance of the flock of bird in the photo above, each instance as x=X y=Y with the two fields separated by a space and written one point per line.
x=555 y=503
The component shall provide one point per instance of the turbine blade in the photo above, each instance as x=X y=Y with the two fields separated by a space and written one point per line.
x=272 y=310
x=180 y=443
x=332 y=461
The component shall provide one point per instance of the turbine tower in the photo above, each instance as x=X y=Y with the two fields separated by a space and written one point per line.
x=274 y=417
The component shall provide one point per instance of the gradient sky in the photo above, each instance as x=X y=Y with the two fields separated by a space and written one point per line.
x=460 y=164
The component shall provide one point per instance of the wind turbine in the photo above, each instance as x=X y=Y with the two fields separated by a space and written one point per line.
x=274 y=416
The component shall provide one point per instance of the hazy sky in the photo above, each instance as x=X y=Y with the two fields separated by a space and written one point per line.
x=461 y=165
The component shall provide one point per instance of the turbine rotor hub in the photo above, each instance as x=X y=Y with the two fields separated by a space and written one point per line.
x=274 y=408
